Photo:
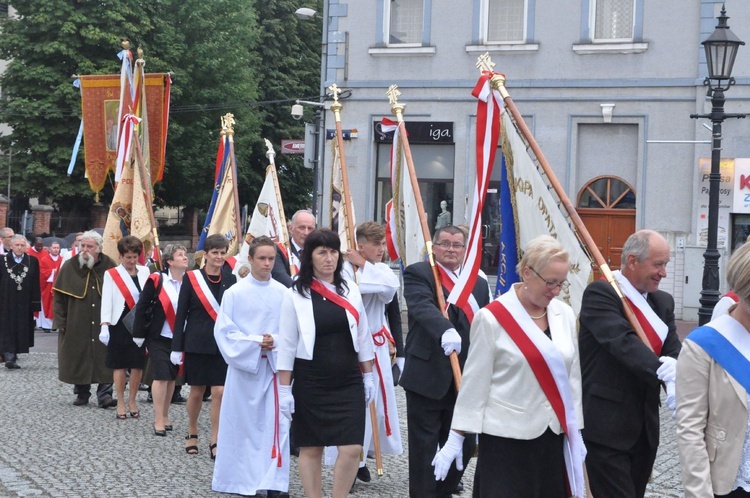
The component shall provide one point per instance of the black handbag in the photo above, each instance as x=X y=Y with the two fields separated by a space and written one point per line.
x=129 y=320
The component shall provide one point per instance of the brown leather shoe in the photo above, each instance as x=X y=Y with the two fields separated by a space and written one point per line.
x=81 y=401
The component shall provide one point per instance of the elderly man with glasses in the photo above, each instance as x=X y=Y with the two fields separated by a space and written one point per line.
x=427 y=376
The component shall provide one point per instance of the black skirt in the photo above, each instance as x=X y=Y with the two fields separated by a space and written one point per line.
x=122 y=352
x=205 y=369
x=161 y=368
x=517 y=468
x=328 y=391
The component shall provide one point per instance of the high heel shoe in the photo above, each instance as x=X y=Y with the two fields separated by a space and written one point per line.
x=135 y=415
x=211 y=448
x=168 y=427
x=161 y=433
x=193 y=449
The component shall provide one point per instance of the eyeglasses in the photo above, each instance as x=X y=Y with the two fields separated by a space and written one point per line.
x=448 y=245
x=564 y=285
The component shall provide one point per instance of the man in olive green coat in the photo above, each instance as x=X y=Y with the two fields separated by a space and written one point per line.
x=78 y=298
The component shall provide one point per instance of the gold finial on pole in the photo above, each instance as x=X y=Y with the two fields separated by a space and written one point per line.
x=270 y=153
x=335 y=91
x=484 y=62
x=227 y=124
x=497 y=81
x=396 y=108
x=336 y=106
x=392 y=94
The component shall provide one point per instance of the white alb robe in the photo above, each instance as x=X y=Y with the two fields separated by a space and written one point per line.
x=378 y=285
x=249 y=452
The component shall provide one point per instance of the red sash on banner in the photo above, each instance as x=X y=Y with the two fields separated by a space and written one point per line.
x=447 y=281
x=648 y=329
x=123 y=287
x=164 y=299
x=201 y=293
x=335 y=298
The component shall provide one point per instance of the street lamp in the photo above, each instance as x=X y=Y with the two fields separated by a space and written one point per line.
x=319 y=135
x=721 y=49
x=308 y=14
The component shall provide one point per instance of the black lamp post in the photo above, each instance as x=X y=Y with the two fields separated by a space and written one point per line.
x=721 y=49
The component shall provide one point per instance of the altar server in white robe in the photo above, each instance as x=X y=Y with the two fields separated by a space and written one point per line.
x=377 y=284
x=253 y=434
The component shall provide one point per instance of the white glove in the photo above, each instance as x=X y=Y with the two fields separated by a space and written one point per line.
x=369 y=387
x=453 y=450
x=400 y=362
x=104 y=335
x=176 y=357
x=668 y=369
x=138 y=341
x=670 y=402
x=286 y=401
x=451 y=341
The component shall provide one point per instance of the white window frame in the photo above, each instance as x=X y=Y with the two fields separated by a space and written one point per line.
x=387 y=27
x=484 y=25
x=592 y=25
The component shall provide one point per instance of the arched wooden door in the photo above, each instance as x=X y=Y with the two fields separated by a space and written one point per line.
x=607 y=207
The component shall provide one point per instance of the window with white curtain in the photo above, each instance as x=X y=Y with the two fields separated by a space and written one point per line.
x=505 y=21
x=405 y=22
x=613 y=19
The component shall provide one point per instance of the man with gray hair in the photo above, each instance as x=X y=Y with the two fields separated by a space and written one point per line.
x=19 y=300
x=621 y=375
x=78 y=297
x=5 y=234
x=286 y=265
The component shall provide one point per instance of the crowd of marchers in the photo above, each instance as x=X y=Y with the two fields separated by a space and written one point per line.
x=301 y=349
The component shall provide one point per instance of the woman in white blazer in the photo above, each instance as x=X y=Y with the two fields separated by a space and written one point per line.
x=325 y=342
x=120 y=291
x=712 y=383
x=522 y=441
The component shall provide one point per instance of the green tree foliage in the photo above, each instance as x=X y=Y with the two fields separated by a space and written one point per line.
x=48 y=42
x=226 y=56
x=290 y=65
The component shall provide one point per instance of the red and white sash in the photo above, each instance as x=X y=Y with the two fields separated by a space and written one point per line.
x=168 y=296
x=470 y=306
x=550 y=371
x=125 y=284
x=656 y=330
x=327 y=293
x=207 y=299
x=293 y=258
x=231 y=261
x=380 y=338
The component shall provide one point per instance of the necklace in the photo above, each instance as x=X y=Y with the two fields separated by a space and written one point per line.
x=18 y=279
x=540 y=316
x=213 y=281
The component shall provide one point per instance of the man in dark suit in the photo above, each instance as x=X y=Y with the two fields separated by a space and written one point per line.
x=427 y=376
x=19 y=299
x=303 y=222
x=621 y=376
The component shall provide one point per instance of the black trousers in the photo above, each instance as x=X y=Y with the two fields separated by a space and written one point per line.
x=620 y=474
x=737 y=493
x=429 y=421
x=84 y=391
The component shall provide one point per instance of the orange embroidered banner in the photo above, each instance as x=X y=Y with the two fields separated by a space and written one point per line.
x=100 y=97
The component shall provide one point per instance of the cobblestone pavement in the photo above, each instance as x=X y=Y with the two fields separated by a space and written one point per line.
x=50 y=448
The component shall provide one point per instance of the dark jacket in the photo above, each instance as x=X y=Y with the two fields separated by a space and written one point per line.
x=620 y=386
x=427 y=371
x=193 y=326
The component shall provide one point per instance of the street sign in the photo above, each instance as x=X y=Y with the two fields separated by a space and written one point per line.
x=292 y=146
